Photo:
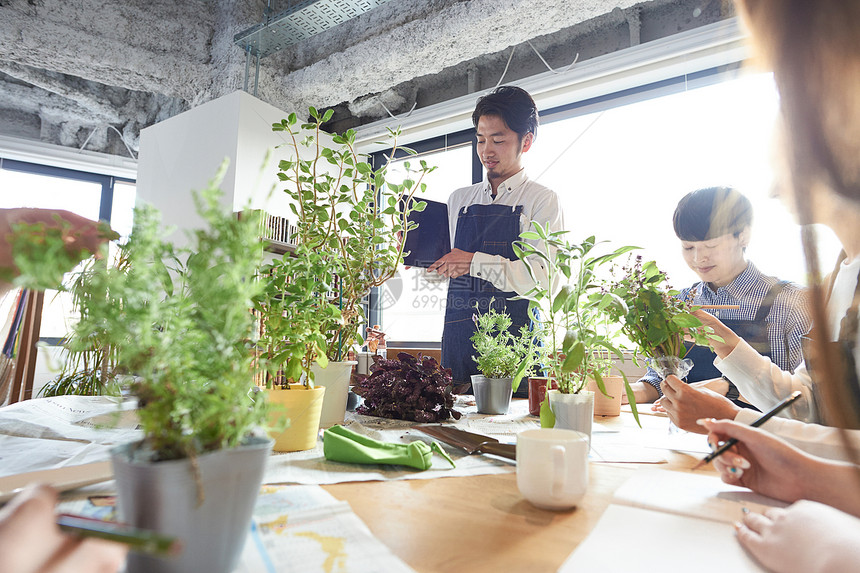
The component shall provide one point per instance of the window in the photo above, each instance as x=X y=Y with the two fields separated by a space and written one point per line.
x=620 y=167
x=620 y=172
x=90 y=195
x=414 y=308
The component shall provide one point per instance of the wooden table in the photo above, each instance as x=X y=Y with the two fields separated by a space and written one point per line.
x=482 y=523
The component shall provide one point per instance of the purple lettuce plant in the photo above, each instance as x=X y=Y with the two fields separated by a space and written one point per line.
x=407 y=388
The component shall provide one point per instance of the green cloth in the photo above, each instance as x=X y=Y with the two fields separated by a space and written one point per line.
x=343 y=445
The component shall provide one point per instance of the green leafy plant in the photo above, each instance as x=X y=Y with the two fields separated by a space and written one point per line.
x=407 y=388
x=577 y=316
x=654 y=318
x=181 y=322
x=296 y=313
x=349 y=214
x=502 y=354
x=90 y=368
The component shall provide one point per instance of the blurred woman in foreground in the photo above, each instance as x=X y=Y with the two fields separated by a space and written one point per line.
x=814 y=50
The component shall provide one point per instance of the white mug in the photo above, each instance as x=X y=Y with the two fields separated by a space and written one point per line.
x=552 y=467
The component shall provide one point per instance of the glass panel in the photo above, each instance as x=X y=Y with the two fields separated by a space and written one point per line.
x=45 y=192
x=41 y=191
x=413 y=308
x=122 y=212
x=621 y=172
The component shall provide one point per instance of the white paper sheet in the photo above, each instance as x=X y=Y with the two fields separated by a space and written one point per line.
x=690 y=494
x=47 y=433
x=634 y=540
x=690 y=519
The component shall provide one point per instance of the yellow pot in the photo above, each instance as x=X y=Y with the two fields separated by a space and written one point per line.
x=301 y=407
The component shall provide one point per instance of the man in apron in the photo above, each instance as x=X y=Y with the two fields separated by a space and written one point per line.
x=714 y=227
x=485 y=219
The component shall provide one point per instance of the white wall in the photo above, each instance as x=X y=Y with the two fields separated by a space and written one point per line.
x=184 y=152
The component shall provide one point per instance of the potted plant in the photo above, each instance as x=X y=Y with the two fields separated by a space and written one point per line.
x=654 y=319
x=575 y=321
x=407 y=388
x=180 y=321
x=90 y=367
x=354 y=218
x=295 y=313
x=503 y=358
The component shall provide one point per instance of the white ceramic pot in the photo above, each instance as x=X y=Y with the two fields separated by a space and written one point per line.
x=573 y=411
x=335 y=379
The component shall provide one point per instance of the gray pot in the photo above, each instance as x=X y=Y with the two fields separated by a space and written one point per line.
x=492 y=395
x=162 y=496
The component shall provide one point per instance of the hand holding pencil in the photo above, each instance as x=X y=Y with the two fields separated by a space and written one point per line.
x=760 y=461
x=724 y=447
x=31 y=541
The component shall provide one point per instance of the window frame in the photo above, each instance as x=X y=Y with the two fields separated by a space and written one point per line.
x=107 y=183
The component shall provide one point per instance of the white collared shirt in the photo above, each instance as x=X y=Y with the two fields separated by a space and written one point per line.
x=744 y=362
x=539 y=204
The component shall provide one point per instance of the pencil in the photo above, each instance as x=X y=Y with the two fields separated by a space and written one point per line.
x=716 y=306
x=764 y=418
x=140 y=540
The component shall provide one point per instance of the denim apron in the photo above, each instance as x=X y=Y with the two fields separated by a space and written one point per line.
x=753 y=332
x=490 y=229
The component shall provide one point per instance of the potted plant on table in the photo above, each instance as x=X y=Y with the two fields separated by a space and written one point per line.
x=181 y=322
x=503 y=358
x=574 y=316
x=352 y=219
x=407 y=388
x=295 y=314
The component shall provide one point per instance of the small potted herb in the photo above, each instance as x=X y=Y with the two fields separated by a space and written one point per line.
x=578 y=334
x=180 y=321
x=408 y=388
x=504 y=359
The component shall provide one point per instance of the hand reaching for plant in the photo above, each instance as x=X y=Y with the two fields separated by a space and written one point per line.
x=686 y=404
x=38 y=245
x=723 y=339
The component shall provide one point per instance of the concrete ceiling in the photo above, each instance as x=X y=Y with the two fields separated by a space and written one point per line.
x=89 y=73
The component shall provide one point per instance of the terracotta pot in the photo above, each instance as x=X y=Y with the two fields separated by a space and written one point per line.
x=301 y=407
x=537 y=392
x=603 y=405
